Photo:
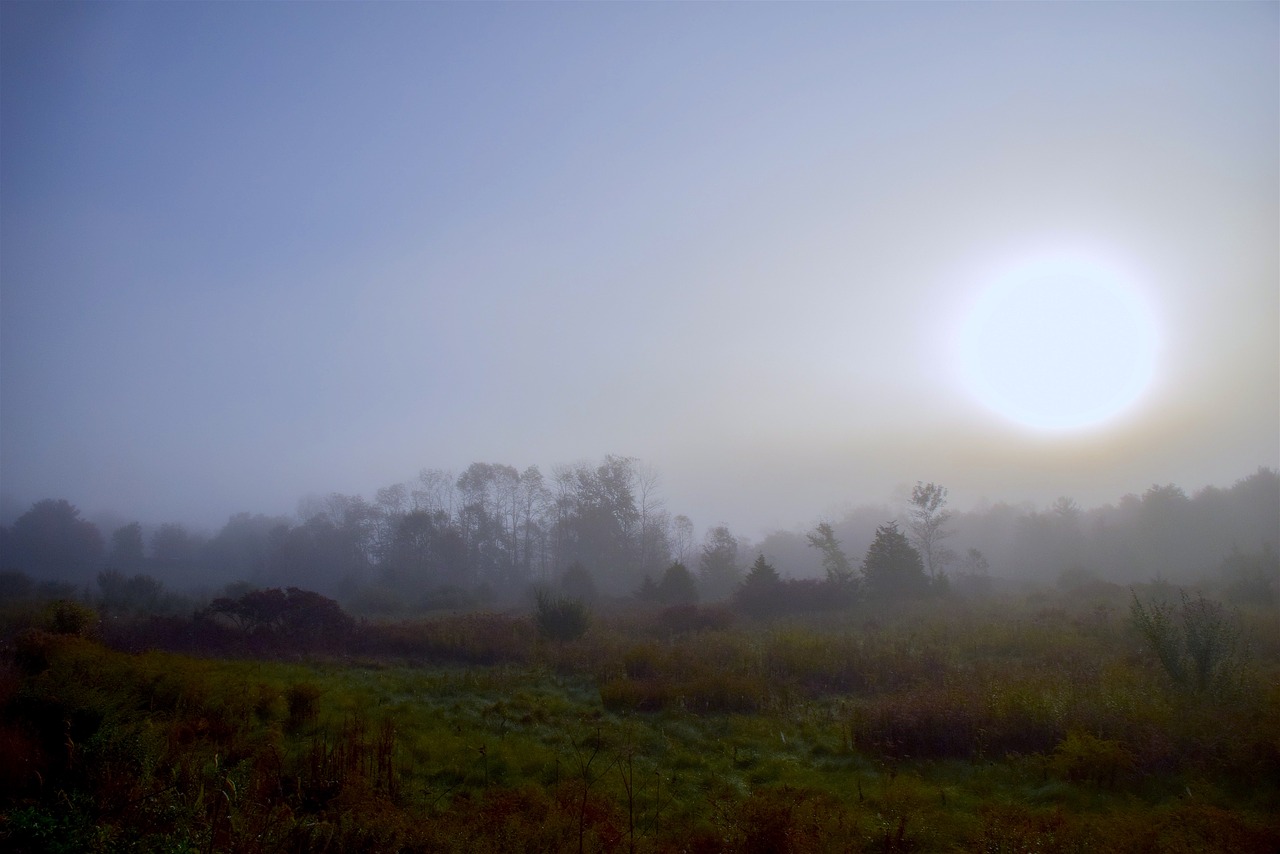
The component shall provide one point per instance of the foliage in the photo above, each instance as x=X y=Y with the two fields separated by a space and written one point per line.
x=677 y=586
x=1252 y=577
x=647 y=591
x=928 y=526
x=298 y=618
x=64 y=617
x=137 y=595
x=834 y=561
x=890 y=726
x=1196 y=643
x=51 y=540
x=811 y=595
x=893 y=569
x=560 y=618
x=1082 y=757
x=757 y=595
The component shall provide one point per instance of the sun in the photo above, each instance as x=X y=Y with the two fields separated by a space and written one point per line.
x=1059 y=344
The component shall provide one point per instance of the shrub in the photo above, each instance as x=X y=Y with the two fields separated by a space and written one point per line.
x=1195 y=642
x=1082 y=757
x=291 y=618
x=65 y=617
x=560 y=618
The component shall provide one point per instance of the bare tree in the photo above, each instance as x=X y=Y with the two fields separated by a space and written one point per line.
x=655 y=547
x=681 y=537
x=436 y=491
x=533 y=500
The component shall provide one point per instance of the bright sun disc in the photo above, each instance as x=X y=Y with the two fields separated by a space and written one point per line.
x=1059 y=345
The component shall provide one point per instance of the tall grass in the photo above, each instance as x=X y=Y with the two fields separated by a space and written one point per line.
x=928 y=729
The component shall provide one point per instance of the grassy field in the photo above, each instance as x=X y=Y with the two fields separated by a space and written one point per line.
x=998 y=727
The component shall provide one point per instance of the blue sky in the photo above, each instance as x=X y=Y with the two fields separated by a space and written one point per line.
x=250 y=252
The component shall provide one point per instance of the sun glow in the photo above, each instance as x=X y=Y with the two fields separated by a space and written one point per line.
x=1059 y=345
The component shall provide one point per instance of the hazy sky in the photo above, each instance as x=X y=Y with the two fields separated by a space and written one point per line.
x=253 y=251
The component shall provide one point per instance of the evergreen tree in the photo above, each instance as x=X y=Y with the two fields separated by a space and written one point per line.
x=893 y=569
x=648 y=591
x=677 y=586
x=758 y=595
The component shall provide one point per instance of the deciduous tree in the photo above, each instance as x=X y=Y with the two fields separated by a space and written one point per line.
x=51 y=541
x=127 y=552
x=928 y=526
x=834 y=560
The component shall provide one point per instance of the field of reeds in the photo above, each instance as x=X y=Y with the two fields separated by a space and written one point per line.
x=1014 y=726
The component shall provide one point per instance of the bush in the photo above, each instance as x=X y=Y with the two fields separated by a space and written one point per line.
x=65 y=617
x=1082 y=757
x=1196 y=643
x=560 y=618
x=291 y=618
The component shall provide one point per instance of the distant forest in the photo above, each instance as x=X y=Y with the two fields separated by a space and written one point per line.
x=494 y=533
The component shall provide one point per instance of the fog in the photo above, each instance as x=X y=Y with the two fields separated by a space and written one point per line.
x=252 y=255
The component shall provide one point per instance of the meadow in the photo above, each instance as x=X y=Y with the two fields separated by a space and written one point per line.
x=1029 y=723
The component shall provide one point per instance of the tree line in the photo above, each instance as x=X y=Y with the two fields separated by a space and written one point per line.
x=492 y=529
x=444 y=540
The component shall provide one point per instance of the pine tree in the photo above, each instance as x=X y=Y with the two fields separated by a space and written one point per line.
x=758 y=593
x=893 y=569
